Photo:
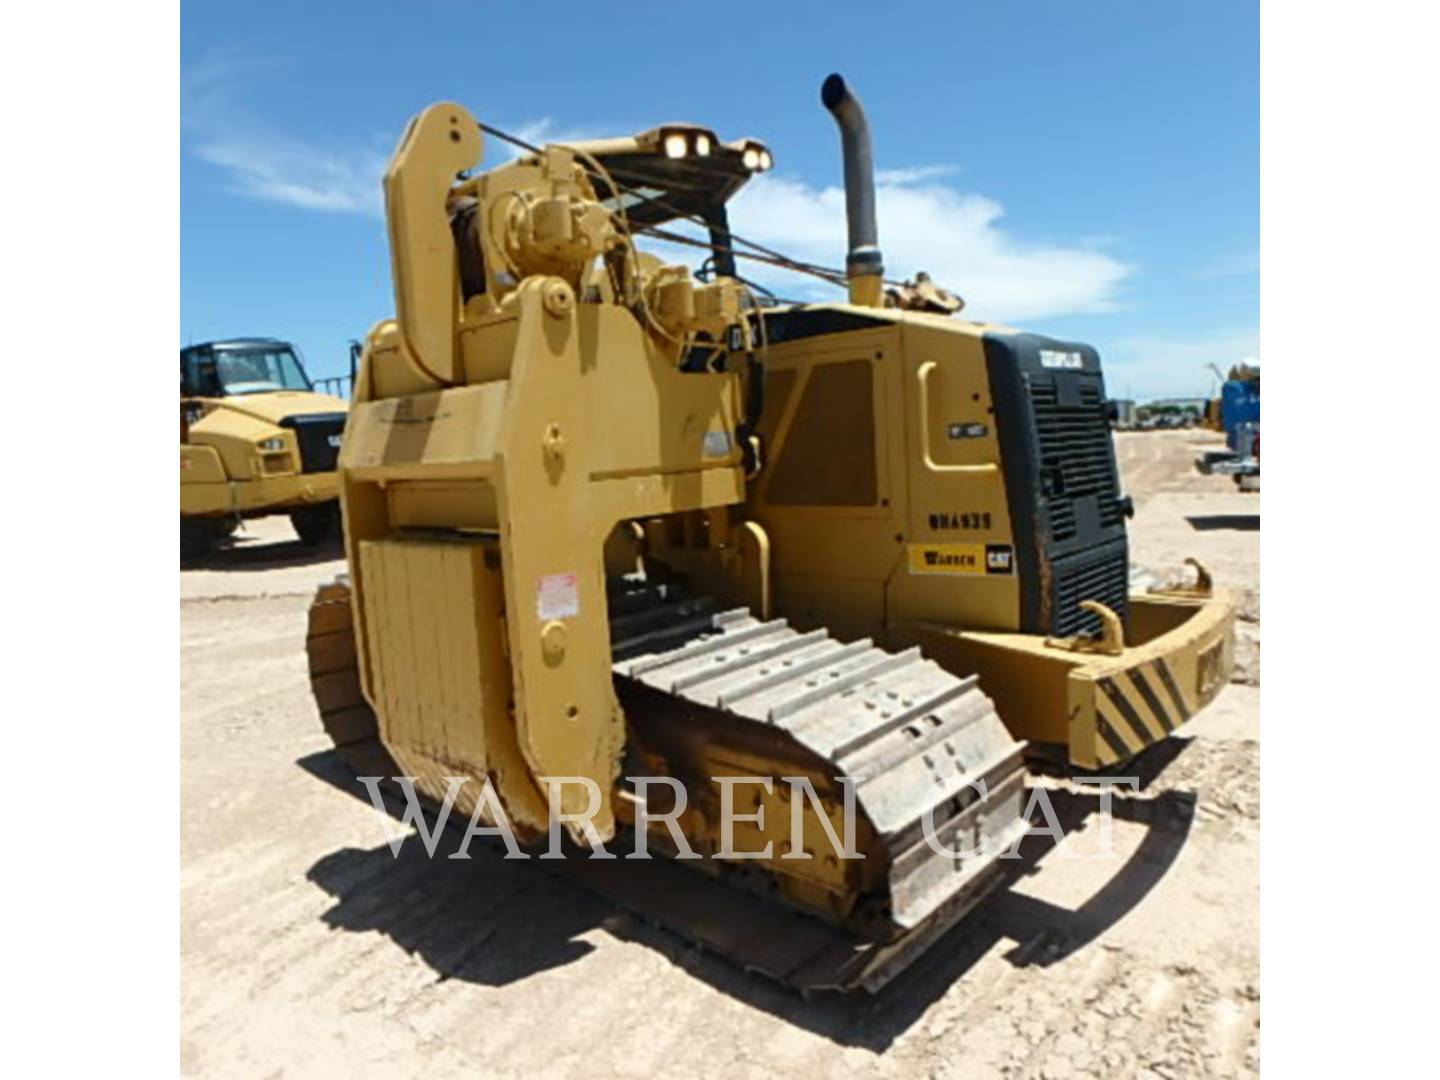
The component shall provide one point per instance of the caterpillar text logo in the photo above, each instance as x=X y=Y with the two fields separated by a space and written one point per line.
x=1065 y=361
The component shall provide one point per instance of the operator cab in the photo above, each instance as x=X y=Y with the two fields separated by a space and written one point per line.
x=241 y=366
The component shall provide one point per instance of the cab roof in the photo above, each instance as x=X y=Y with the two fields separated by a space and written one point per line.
x=237 y=343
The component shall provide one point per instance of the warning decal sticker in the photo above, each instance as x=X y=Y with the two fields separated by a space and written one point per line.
x=558 y=597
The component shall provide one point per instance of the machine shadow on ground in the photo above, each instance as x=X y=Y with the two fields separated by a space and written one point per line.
x=494 y=921
x=1233 y=522
x=247 y=556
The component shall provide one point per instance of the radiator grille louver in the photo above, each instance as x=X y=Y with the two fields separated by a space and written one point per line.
x=1061 y=480
x=1102 y=575
x=1077 y=465
x=314 y=433
x=1075 y=456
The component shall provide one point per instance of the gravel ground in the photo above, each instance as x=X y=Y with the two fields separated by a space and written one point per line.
x=307 y=949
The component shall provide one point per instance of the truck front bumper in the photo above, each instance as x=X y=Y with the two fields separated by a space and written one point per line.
x=256 y=498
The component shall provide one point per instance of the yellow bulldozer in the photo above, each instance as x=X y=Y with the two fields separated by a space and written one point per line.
x=837 y=570
x=255 y=439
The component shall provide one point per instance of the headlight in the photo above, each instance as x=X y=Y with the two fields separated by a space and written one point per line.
x=766 y=160
x=270 y=445
x=751 y=158
x=675 y=145
x=702 y=145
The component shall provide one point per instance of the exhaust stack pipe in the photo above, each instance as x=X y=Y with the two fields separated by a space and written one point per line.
x=864 y=267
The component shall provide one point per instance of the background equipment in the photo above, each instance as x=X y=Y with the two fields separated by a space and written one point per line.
x=255 y=439
x=1236 y=412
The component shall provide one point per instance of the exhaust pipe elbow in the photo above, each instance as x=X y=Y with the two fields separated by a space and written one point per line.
x=864 y=259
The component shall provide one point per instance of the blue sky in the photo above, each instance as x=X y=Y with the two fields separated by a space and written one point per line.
x=1089 y=171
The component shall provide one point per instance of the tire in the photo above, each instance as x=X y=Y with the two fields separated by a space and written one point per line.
x=197 y=538
x=317 y=526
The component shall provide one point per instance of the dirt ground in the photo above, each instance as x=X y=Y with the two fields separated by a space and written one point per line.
x=307 y=949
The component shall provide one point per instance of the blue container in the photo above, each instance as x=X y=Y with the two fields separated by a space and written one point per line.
x=1239 y=404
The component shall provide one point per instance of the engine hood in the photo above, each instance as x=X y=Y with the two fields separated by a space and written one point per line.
x=277 y=405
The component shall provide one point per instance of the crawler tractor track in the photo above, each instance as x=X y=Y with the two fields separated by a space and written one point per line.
x=701 y=683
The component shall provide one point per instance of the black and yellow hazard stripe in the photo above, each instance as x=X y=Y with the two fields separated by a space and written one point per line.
x=1167 y=680
x=1135 y=708
x=1113 y=748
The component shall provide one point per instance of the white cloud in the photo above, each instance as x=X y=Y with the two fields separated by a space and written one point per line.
x=1150 y=366
x=536 y=133
x=263 y=166
x=956 y=237
x=914 y=174
x=924 y=224
x=263 y=163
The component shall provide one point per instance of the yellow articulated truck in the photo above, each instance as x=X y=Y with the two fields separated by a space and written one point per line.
x=818 y=564
x=255 y=439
